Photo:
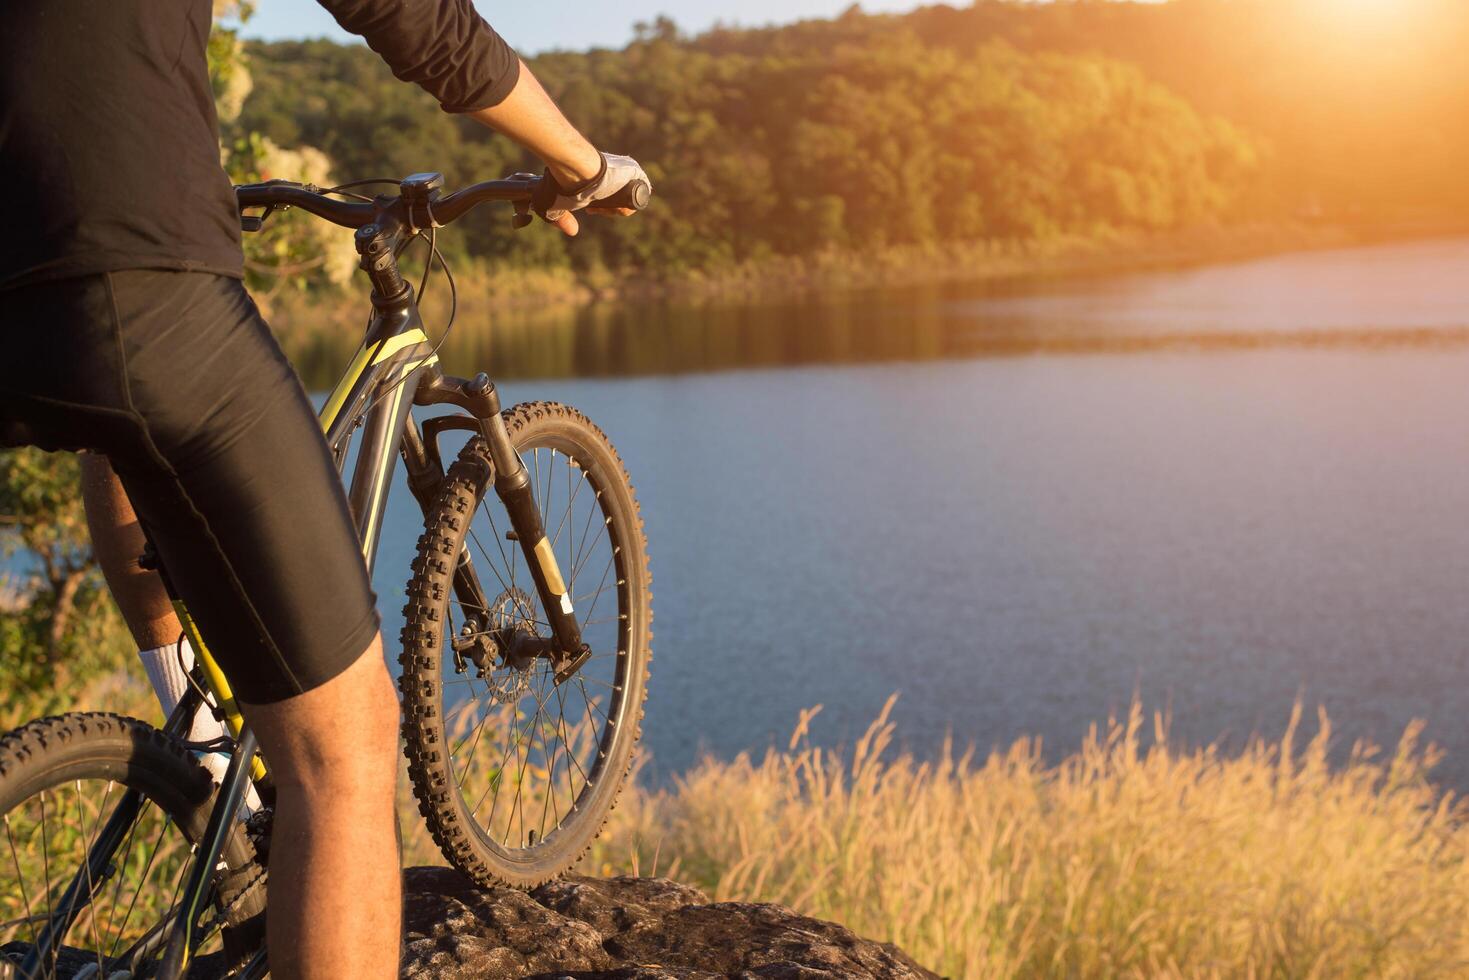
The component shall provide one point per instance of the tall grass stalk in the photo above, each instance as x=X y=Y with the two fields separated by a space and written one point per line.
x=1130 y=858
x=1133 y=857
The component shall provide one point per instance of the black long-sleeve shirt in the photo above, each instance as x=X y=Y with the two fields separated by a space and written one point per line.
x=109 y=152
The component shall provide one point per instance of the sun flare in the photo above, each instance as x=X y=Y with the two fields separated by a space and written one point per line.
x=1355 y=12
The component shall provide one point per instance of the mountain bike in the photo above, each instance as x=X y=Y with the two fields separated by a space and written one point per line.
x=525 y=652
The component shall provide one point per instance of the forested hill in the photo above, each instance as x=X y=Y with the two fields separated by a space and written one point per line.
x=999 y=120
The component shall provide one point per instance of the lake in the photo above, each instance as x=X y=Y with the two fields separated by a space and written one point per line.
x=1220 y=489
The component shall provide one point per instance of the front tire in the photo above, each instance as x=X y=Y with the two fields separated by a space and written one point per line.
x=514 y=774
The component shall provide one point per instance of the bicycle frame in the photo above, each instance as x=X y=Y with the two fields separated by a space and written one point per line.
x=395 y=368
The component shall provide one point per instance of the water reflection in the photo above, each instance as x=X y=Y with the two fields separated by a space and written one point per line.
x=1400 y=295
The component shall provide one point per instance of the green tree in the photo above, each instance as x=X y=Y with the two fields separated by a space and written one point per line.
x=857 y=134
x=58 y=625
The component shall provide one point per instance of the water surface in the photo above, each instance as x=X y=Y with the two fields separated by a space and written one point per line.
x=1223 y=489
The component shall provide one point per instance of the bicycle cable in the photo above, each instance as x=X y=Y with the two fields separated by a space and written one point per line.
x=178 y=652
x=360 y=183
x=433 y=254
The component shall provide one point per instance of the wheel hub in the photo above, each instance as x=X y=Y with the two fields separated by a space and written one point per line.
x=511 y=624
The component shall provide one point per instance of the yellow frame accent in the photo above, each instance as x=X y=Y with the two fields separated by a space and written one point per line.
x=365 y=357
x=217 y=683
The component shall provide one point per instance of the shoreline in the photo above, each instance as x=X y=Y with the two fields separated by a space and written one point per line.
x=507 y=290
x=1019 y=261
x=545 y=323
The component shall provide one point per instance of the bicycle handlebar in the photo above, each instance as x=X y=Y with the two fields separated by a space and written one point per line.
x=444 y=210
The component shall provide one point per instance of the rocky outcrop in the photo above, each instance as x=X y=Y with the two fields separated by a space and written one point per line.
x=622 y=929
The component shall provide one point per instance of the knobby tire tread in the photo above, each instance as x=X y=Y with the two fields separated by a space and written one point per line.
x=428 y=592
x=30 y=752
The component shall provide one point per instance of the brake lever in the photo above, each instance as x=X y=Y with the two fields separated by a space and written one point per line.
x=256 y=222
x=522 y=215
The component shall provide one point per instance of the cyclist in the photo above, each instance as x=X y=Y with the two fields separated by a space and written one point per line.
x=127 y=332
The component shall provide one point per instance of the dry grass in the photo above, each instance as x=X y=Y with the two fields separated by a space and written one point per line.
x=1133 y=857
x=1127 y=859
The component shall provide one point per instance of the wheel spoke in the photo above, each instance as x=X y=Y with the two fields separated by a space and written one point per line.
x=20 y=878
x=550 y=776
x=515 y=805
x=510 y=743
x=586 y=530
x=546 y=497
x=586 y=702
x=127 y=853
x=87 y=864
x=544 y=743
x=469 y=760
x=601 y=585
x=46 y=876
x=536 y=482
x=531 y=731
x=573 y=487
x=173 y=903
x=571 y=788
x=147 y=874
x=509 y=589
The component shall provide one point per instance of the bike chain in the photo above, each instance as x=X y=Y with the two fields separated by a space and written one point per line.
x=236 y=890
x=230 y=913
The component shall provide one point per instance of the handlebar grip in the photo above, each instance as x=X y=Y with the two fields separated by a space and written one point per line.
x=634 y=194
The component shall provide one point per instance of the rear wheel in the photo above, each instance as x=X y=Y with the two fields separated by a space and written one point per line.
x=514 y=773
x=61 y=779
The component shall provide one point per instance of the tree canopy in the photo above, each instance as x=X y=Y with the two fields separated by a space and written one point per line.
x=995 y=121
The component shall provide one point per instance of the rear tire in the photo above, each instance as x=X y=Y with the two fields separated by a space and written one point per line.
x=59 y=778
x=485 y=737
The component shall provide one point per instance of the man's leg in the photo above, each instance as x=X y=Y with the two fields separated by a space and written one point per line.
x=175 y=376
x=117 y=540
x=244 y=503
x=333 y=755
x=335 y=887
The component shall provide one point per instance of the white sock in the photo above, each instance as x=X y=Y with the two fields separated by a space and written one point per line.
x=167 y=668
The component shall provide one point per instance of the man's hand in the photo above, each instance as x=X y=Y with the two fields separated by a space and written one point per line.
x=557 y=203
x=528 y=116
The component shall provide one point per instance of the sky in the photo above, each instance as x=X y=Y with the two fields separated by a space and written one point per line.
x=572 y=24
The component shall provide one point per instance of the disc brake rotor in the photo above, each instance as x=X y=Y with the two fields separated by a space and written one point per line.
x=511 y=610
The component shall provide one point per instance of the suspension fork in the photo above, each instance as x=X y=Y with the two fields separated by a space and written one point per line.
x=513 y=486
x=425 y=478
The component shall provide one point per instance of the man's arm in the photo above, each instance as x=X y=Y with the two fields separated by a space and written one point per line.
x=529 y=117
x=443 y=46
x=449 y=50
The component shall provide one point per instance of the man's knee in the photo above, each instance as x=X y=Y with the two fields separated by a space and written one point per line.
x=345 y=731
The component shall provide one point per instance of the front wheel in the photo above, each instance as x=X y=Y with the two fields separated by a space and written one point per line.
x=515 y=773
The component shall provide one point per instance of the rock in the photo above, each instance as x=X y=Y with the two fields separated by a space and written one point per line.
x=623 y=929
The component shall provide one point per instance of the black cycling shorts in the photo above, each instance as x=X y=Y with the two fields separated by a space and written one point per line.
x=176 y=378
